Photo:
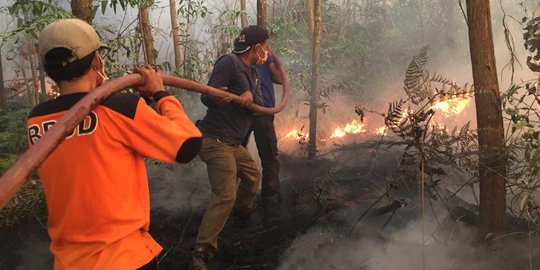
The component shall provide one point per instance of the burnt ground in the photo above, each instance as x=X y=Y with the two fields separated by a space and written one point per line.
x=323 y=200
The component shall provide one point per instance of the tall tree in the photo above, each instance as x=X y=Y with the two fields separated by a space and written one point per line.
x=309 y=9
x=243 y=16
x=489 y=118
x=3 y=95
x=33 y=91
x=261 y=13
x=41 y=71
x=176 y=36
x=34 y=66
x=315 y=80
x=26 y=84
x=82 y=9
x=187 y=70
x=146 y=33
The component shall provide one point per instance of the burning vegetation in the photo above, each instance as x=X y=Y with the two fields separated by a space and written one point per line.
x=444 y=108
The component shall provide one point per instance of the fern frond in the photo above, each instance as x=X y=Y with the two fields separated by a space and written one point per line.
x=416 y=78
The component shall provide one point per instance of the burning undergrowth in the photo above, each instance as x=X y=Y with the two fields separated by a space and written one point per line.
x=437 y=230
x=432 y=103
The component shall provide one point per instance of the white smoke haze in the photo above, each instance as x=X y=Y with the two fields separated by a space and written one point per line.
x=451 y=248
x=320 y=249
x=384 y=243
x=178 y=187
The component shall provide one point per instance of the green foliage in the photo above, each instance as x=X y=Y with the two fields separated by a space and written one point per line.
x=123 y=4
x=6 y=160
x=193 y=10
x=39 y=13
x=520 y=105
x=531 y=38
x=291 y=41
x=28 y=202
x=197 y=62
x=13 y=128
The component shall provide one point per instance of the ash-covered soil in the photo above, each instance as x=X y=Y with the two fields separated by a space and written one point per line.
x=322 y=201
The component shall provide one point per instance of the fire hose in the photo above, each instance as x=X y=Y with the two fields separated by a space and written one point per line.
x=29 y=162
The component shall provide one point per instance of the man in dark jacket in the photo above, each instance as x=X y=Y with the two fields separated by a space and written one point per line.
x=224 y=128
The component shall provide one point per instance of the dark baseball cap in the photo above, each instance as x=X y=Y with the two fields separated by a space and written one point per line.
x=249 y=36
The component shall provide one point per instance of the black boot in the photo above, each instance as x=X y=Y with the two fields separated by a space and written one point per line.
x=241 y=219
x=199 y=258
x=273 y=211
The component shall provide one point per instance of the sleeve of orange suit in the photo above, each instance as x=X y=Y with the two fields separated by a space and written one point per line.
x=167 y=135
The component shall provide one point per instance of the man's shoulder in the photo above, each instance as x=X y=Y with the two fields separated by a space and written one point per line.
x=123 y=103
x=227 y=59
x=60 y=104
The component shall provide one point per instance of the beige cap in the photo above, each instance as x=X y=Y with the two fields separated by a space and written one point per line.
x=73 y=34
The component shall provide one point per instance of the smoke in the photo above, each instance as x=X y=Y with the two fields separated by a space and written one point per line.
x=401 y=249
x=387 y=243
x=447 y=246
x=178 y=187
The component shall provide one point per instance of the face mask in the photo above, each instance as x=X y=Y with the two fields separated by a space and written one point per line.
x=102 y=73
x=263 y=59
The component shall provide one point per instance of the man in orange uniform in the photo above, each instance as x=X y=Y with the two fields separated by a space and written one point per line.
x=95 y=181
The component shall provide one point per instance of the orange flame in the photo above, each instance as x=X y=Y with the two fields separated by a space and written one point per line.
x=451 y=107
x=354 y=127
x=381 y=130
x=295 y=134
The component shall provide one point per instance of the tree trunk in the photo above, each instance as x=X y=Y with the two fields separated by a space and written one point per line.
x=176 y=36
x=3 y=95
x=26 y=85
x=243 y=16
x=315 y=80
x=489 y=117
x=309 y=9
x=187 y=70
x=148 y=40
x=261 y=13
x=33 y=96
x=41 y=70
x=82 y=9
x=35 y=78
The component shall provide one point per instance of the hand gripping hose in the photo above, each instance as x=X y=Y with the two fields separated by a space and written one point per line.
x=28 y=163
